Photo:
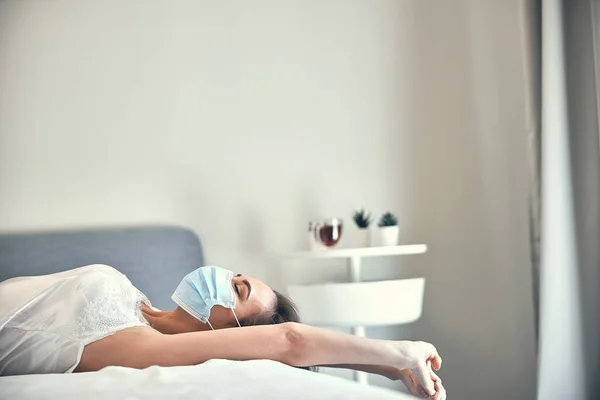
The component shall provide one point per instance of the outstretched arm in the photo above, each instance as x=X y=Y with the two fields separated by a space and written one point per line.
x=297 y=345
x=290 y=343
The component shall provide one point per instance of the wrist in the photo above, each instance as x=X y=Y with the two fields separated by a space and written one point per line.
x=387 y=353
x=402 y=354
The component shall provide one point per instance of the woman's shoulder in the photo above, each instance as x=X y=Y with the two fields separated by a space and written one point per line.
x=106 y=280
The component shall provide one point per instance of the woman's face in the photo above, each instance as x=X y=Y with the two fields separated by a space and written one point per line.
x=253 y=297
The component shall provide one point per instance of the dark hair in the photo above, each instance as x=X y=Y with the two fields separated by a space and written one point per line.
x=284 y=311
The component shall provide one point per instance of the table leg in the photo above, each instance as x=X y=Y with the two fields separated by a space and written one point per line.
x=354 y=269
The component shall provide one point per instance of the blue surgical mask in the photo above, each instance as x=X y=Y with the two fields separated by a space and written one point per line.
x=204 y=288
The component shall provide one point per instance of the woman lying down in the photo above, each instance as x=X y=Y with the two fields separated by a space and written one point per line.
x=91 y=317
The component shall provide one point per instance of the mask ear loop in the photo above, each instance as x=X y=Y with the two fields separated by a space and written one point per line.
x=236 y=318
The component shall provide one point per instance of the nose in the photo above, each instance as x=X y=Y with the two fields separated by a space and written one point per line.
x=238 y=275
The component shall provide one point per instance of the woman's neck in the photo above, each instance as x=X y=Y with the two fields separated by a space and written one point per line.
x=172 y=322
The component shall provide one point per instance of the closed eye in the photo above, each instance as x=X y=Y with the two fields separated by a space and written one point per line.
x=249 y=287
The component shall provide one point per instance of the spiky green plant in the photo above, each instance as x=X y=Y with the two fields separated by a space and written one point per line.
x=362 y=218
x=388 y=219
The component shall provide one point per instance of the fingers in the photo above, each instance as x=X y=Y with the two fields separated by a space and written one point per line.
x=148 y=312
x=412 y=384
x=423 y=374
x=416 y=389
x=436 y=361
x=435 y=378
x=144 y=307
x=434 y=358
x=440 y=391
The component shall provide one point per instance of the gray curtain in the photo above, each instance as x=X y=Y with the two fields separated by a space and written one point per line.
x=532 y=56
x=562 y=66
x=582 y=34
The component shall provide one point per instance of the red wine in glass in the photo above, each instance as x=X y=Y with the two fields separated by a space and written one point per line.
x=329 y=232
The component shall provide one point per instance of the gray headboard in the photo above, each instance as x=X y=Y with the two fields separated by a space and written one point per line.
x=153 y=258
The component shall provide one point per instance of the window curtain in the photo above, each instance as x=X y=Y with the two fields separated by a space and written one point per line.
x=561 y=53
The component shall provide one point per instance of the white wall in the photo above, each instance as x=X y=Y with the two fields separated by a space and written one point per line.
x=243 y=120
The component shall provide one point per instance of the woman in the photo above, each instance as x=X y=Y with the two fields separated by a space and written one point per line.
x=92 y=317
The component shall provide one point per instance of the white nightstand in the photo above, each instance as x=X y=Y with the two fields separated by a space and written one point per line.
x=358 y=304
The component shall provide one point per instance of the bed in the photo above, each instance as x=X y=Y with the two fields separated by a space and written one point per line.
x=154 y=259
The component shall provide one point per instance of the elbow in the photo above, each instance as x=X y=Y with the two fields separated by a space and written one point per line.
x=295 y=345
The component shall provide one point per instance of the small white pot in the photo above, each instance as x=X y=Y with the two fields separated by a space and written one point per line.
x=388 y=235
x=363 y=237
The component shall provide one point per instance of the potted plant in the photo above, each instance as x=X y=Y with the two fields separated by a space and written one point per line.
x=362 y=219
x=388 y=229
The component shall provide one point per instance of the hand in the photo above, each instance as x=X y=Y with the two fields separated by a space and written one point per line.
x=417 y=356
x=415 y=388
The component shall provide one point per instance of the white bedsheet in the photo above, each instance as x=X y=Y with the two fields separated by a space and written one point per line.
x=216 y=379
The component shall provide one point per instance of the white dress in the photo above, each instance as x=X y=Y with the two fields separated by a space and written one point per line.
x=45 y=321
